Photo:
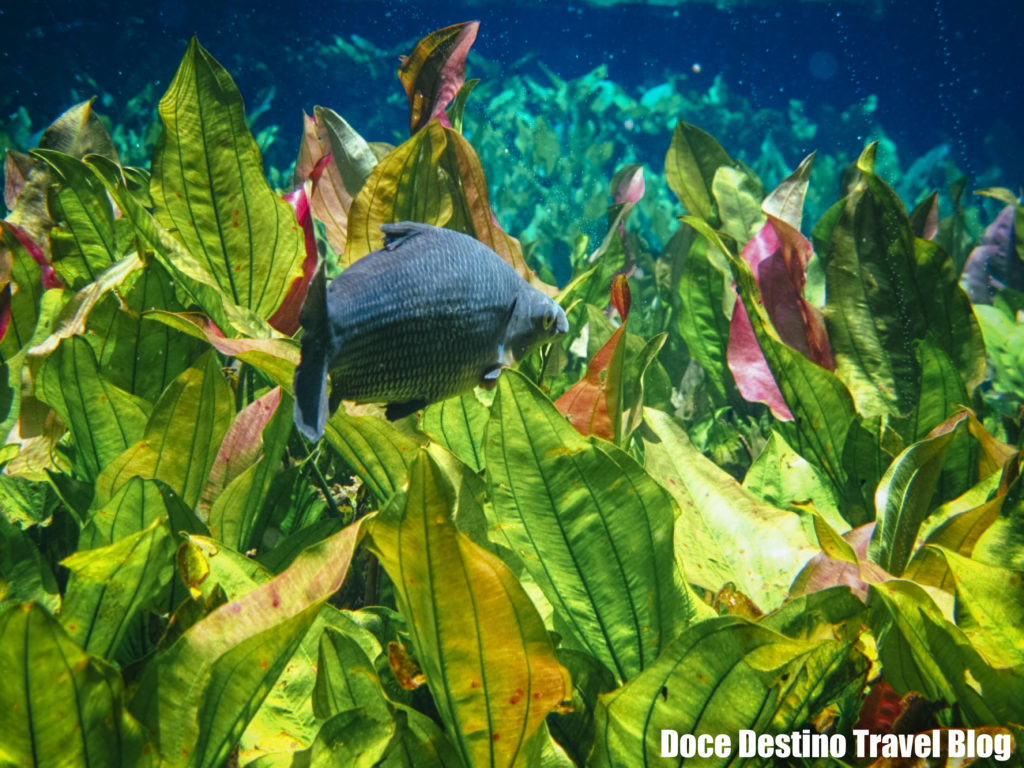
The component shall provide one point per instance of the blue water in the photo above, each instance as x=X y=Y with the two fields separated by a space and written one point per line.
x=942 y=72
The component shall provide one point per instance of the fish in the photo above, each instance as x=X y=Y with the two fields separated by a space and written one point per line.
x=430 y=315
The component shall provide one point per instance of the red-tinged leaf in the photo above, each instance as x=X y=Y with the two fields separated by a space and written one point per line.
x=435 y=70
x=286 y=318
x=46 y=274
x=621 y=297
x=16 y=169
x=587 y=404
x=275 y=357
x=480 y=220
x=823 y=571
x=240 y=447
x=778 y=257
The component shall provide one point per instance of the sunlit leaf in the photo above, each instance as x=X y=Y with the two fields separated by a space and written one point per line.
x=722 y=676
x=275 y=357
x=690 y=165
x=198 y=695
x=458 y=424
x=240 y=477
x=192 y=281
x=723 y=532
x=482 y=645
x=989 y=607
x=181 y=437
x=77 y=132
x=208 y=188
x=111 y=585
x=886 y=290
x=374 y=449
x=63 y=706
x=103 y=419
x=903 y=497
x=600 y=551
x=85 y=244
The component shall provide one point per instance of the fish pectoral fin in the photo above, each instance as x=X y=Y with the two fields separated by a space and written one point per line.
x=395 y=411
x=399 y=232
x=489 y=379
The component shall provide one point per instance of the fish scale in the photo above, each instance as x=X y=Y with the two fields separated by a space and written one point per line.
x=430 y=315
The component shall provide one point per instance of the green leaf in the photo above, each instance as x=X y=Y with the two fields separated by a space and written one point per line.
x=103 y=419
x=593 y=529
x=352 y=738
x=62 y=706
x=25 y=576
x=458 y=424
x=483 y=648
x=133 y=508
x=722 y=676
x=208 y=187
x=904 y=496
x=192 y=281
x=275 y=357
x=286 y=718
x=350 y=153
x=375 y=450
x=198 y=695
x=693 y=157
x=989 y=607
x=738 y=196
x=723 y=532
x=346 y=679
x=110 y=587
x=26 y=278
x=704 y=312
x=887 y=290
x=133 y=353
x=782 y=477
x=86 y=244
x=181 y=437
x=404 y=186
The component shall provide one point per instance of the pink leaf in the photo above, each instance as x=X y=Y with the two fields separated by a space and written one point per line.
x=778 y=257
x=240 y=448
x=286 y=318
x=46 y=274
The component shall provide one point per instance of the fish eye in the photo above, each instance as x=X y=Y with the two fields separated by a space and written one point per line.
x=549 y=318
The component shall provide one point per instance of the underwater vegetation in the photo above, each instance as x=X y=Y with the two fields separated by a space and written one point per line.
x=769 y=480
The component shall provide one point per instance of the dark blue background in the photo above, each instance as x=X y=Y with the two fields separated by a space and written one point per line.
x=942 y=71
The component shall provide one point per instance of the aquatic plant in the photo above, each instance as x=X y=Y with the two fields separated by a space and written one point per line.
x=549 y=574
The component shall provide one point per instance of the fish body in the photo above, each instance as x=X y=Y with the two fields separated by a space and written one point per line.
x=430 y=315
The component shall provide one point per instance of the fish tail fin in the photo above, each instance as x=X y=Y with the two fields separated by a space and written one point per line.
x=310 y=384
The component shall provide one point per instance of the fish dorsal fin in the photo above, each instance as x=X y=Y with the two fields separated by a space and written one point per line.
x=399 y=232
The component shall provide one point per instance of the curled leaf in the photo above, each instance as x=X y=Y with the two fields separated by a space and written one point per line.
x=435 y=71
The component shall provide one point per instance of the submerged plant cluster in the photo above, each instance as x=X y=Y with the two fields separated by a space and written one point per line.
x=767 y=482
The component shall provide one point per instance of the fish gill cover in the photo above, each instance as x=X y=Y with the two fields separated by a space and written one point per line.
x=767 y=481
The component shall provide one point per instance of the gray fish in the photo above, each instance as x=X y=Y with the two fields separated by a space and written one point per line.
x=430 y=315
